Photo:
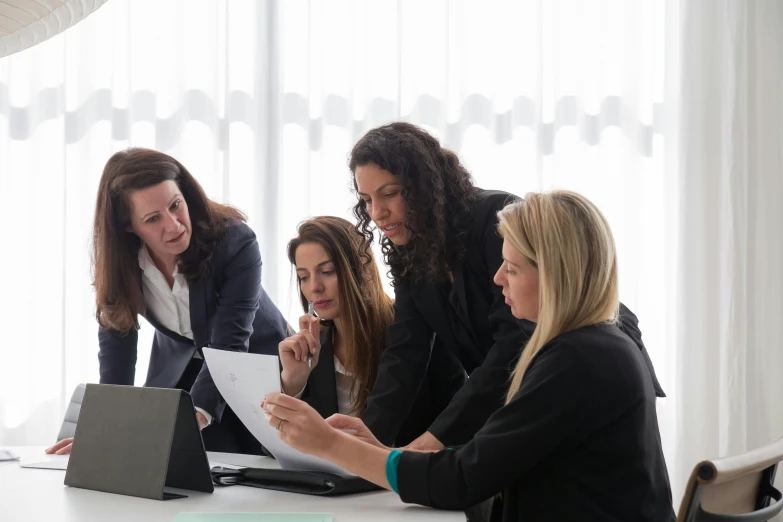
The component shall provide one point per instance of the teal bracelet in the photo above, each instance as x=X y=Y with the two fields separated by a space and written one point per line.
x=392 y=462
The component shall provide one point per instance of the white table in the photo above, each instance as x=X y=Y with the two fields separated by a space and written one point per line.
x=39 y=494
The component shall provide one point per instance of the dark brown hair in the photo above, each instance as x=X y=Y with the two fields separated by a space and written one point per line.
x=365 y=308
x=438 y=190
x=115 y=266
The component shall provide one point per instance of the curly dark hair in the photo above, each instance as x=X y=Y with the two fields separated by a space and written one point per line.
x=439 y=194
x=115 y=253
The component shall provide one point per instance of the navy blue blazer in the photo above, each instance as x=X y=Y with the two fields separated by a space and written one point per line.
x=229 y=311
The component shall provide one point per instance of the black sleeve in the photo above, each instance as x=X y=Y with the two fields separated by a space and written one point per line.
x=485 y=390
x=232 y=324
x=548 y=412
x=117 y=356
x=402 y=369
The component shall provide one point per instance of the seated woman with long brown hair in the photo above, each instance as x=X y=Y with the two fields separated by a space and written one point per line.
x=336 y=270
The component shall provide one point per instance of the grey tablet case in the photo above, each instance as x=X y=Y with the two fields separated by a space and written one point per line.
x=137 y=441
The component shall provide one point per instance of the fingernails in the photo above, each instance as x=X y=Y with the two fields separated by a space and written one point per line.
x=262 y=404
x=267 y=416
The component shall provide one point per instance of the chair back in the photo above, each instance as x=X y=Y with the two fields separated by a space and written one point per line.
x=734 y=489
x=68 y=427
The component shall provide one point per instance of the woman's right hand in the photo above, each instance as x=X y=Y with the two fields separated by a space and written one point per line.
x=293 y=354
x=61 y=448
x=354 y=426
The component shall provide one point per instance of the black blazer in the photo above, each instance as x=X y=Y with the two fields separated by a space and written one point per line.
x=444 y=378
x=493 y=345
x=228 y=311
x=579 y=441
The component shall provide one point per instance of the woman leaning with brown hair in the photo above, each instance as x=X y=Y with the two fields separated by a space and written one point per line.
x=336 y=271
x=192 y=268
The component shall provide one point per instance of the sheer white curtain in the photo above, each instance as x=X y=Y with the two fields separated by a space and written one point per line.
x=728 y=302
x=262 y=101
x=186 y=77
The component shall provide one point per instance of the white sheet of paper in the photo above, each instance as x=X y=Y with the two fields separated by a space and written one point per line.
x=46 y=462
x=213 y=464
x=243 y=379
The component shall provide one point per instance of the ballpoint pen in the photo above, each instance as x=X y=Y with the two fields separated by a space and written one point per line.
x=311 y=311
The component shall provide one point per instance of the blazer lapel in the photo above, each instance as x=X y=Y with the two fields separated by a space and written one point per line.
x=165 y=331
x=458 y=274
x=462 y=310
x=198 y=313
x=322 y=386
x=432 y=304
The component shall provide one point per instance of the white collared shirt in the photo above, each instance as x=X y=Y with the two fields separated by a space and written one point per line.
x=170 y=306
x=346 y=385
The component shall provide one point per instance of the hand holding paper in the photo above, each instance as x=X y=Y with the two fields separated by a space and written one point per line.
x=298 y=424
x=243 y=380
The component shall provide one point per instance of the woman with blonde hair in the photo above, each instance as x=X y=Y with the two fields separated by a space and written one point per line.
x=577 y=438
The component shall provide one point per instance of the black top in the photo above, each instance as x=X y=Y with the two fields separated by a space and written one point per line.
x=444 y=378
x=229 y=311
x=471 y=319
x=579 y=441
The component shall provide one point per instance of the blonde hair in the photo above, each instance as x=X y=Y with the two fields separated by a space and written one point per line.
x=569 y=240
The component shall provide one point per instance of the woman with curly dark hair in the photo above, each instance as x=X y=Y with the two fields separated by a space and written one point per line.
x=439 y=237
x=192 y=268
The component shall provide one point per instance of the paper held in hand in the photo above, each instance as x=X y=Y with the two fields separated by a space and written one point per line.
x=243 y=379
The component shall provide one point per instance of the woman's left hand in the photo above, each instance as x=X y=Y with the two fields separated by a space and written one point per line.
x=298 y=424
x=202 y=420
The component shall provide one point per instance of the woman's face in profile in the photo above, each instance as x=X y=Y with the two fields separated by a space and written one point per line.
x=159 y=216
x=317 y=277
x=382 y=194
x=519 y=279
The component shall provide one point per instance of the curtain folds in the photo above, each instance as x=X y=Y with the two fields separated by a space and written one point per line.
x=666 y=114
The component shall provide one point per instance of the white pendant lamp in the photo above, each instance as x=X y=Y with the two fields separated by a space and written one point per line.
x=24 y=23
